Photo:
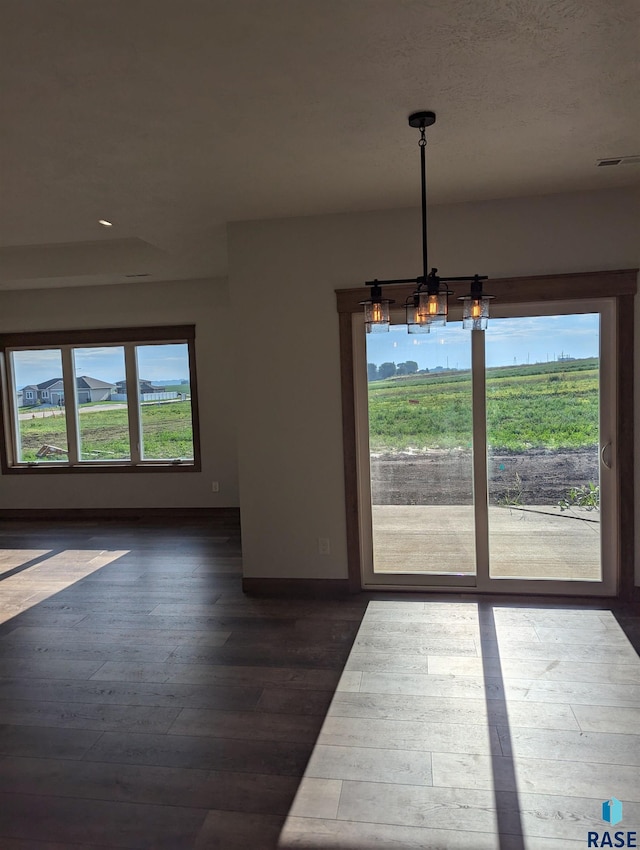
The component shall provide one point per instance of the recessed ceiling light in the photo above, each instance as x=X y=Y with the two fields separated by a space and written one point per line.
x=105 y=223
x=619 y=160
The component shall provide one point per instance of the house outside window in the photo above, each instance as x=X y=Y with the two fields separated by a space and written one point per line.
x=105 y=417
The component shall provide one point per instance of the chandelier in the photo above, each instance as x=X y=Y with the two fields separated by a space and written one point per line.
x=428 y=306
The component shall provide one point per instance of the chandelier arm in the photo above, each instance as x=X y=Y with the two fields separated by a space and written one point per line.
x=470 y=277
x=391 y=282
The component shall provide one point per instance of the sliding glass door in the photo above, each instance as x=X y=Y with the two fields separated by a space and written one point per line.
x=421 y=453
x=487 y=458
x=543 y=436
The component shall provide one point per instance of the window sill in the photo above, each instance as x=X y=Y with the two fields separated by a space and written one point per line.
x=92 y=468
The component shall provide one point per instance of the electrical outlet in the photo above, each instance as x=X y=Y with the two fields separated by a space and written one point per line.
x=215 y=486
x=324 y=547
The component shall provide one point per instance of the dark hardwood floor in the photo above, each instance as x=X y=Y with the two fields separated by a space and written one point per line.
x=145 y=702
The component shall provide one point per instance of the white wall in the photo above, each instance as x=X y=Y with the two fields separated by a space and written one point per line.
x=282 y=277
x=204 y=303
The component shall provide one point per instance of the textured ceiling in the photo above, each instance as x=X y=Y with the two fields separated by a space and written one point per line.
x=172 y=117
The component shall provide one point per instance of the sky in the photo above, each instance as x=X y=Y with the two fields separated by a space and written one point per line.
x=156 y=363
x=530 y=339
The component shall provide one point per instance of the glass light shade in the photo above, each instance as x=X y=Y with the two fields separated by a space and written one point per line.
x=434 y=307
x=416 y=319
x=475 y=313
x=376 y=316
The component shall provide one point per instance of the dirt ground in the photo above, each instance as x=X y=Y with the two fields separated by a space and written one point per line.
x=537 y=477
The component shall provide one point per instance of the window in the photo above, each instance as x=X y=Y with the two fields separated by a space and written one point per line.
x=124 y=400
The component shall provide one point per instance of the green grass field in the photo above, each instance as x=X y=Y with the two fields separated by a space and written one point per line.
x=166 y=428
x=546 y=405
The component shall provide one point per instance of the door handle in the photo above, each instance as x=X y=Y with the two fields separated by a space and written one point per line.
x=602 y=451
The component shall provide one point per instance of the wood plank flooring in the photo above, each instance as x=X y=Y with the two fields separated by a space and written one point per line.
x=467 y=725
x=145 y=702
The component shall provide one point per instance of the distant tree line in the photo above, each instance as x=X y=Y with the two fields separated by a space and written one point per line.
x=391 y=370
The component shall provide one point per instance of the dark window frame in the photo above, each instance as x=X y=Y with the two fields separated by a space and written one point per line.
x=166 y=334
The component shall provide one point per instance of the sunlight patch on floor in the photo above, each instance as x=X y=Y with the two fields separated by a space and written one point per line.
x=12 y=558
x=29 y=576
x=472 y=726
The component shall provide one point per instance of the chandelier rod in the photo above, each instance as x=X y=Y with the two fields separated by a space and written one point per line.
x=423 y=175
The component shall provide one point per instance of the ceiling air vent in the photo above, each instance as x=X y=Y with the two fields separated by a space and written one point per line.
x=618 y=160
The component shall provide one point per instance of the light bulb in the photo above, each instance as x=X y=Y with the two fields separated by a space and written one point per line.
x=376 y=315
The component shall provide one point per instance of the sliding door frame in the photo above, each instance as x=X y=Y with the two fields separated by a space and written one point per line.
x=619 y=285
